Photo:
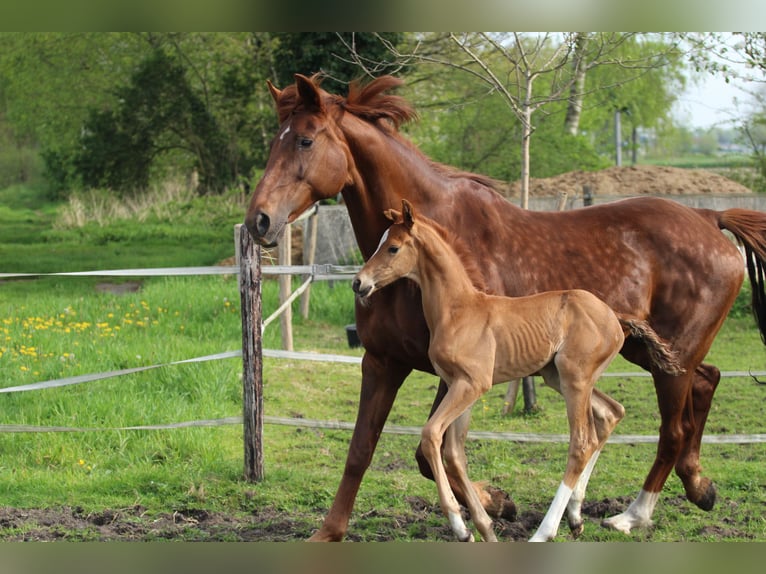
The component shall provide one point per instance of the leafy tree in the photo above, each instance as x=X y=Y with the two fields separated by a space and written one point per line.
x=340 y=56
x=64 y=91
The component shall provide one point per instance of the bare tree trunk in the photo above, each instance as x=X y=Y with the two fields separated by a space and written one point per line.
x=579 y=66
x=526 y=135
x=618 y=138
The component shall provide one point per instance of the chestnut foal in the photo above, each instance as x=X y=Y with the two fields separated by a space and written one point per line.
x=478 y=340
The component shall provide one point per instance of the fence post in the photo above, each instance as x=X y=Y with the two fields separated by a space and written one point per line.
x=312 y=224
x=285 y=287
x=252 y=357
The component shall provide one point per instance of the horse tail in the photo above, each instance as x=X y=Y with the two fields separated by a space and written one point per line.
x=749 y=227
x=660 y=352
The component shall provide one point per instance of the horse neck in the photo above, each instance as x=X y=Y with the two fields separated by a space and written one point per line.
x=443 y=280
x=384 y=170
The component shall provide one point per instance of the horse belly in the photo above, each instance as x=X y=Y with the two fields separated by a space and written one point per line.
x=519 y=356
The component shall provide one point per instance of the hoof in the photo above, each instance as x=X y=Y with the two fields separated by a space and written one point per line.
x=576 y=529
x=502 y=505
x=707 y=500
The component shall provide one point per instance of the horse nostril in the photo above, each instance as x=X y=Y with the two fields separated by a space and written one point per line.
x=355 y=285
x=262 y=224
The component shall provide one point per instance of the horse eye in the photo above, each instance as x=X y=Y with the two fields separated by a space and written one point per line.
x=393 y=250
x=305 y=143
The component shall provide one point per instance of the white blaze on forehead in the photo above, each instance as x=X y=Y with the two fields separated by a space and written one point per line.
x=284 y=133
x=382 y=241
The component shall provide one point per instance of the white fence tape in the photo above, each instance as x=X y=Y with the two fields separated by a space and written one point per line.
x=316 y=272
x=388 y=429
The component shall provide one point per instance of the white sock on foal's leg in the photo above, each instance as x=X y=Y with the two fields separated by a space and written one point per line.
x=550 y=524
x=574 y=507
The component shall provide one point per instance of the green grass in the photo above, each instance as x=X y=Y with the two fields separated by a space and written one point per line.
x=59 y=327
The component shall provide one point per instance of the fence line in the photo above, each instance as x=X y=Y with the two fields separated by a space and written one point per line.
x=388 y=429
x=314 y=273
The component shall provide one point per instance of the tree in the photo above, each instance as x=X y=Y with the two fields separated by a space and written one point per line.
x=530 y=72
x=340 y=56
x=62 y=90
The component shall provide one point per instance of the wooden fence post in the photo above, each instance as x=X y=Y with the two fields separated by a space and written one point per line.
x=285 y=288
x=312 y=224
x=252 y=357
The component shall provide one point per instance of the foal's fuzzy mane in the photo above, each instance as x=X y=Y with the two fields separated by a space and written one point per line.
x=388 y=112
x=461 y=249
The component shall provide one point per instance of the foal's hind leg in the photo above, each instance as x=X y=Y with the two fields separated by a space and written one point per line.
x=606 y=414
x=583 y=442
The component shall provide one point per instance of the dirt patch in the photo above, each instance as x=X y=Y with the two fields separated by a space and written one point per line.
x=119 y=288
x=423 y=522
x=633 y=180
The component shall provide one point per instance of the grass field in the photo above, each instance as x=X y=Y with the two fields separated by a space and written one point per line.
x=61 y=327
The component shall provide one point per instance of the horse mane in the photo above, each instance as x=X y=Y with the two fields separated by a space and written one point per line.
x=370 y=103
x=463 y=251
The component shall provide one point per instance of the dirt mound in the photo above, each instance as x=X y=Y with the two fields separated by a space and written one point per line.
x=633 y=180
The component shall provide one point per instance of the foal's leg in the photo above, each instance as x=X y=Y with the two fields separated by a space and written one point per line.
x=456 y=466
x=496 y=502
x=606 y=414
x=583 y=443
x=461 y=395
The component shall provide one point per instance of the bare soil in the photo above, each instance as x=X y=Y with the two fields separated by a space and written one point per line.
x=270 y=525
x=633 y=180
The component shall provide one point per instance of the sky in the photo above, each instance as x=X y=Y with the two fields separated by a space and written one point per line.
x=711 y=102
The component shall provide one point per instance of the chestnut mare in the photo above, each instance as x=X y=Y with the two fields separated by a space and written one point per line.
x=479 y=340
x=648 y=258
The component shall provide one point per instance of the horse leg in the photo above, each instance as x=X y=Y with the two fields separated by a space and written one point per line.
x=380 y=382
x=674 y=396
x=497 y=503
x=460 y=396
x=606 y=414
x=699 y=490
x=456 y=466
x=583 y=444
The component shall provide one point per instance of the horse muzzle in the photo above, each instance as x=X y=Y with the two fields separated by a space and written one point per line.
x=362 y=289
x=262 y=228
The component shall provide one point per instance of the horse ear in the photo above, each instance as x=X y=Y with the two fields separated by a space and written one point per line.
x=392 y=215
x=308 y=93
x=276 y=93
x=408 y=213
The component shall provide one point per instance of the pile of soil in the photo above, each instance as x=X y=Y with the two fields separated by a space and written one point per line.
x=633 y=180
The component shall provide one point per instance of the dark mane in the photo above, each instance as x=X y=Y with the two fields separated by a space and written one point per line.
x=464 y=253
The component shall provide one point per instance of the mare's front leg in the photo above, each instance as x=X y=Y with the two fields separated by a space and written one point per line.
x=497 y=503
x=380 y=382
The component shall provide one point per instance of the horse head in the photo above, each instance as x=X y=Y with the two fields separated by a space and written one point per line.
x=309 y=159
x=396 y=256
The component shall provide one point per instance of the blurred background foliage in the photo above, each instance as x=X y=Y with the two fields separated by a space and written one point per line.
x=124 y=111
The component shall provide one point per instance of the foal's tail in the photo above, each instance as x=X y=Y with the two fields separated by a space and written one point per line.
x=660 y=352
x=749 y=227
